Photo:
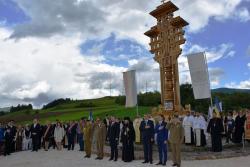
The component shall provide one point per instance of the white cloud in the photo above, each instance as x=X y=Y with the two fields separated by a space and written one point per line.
x=127 y=19
x=198 y=13
x=243 y=14
x=34 y=68
x=213 y=54
x=31 y=91
x=248 y=65
x=215 y=74
x=132 y=62
x=241 y=85
x=37 y=69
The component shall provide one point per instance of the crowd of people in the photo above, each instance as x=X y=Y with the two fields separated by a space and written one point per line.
x=192 y=129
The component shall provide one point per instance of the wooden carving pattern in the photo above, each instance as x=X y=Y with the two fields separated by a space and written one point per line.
x=165 y=40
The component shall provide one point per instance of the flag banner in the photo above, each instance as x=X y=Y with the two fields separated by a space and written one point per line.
x=129 y=80
x=91 y=116
x=199 y=75
x=210 y=112
x=247 y=129
x=218 y=104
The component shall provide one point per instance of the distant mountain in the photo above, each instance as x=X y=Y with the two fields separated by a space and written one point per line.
x=5 y=109
x=230 y=90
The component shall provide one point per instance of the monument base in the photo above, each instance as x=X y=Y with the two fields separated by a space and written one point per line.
x=169 y=114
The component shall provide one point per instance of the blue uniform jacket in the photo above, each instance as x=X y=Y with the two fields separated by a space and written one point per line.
x=162 y=132
x=1 y=134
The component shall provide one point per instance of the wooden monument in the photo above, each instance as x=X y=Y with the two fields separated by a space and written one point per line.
x=165 y=40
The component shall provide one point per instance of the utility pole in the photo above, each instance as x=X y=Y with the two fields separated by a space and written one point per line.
x=110 y=88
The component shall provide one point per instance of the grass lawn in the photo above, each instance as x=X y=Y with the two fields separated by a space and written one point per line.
x=74 y=110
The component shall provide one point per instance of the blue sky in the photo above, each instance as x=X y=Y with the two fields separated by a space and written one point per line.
x=107 y=37
x=232 y=32
x=11 y=13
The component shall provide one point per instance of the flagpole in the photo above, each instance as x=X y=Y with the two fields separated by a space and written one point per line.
x=211 y=99
x=137 y=105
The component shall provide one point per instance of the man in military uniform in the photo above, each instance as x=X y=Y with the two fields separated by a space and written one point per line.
x=87 y=132
x=176 y=138
x=100 y=137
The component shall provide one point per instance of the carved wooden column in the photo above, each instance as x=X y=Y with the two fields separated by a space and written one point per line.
x=165 y=40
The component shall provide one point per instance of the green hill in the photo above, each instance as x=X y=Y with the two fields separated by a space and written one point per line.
x=74 y=110
x=67 y=109
x=230 y=90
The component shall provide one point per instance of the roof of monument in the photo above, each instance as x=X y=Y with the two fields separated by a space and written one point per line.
x=179 y=22
x=164 y=9
x=152 y=32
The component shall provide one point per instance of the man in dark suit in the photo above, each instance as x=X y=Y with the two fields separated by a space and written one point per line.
x=71 y=134
x=113 y=138
x=12 y=135
x=35 y=130
x=7 y=143
x=147 y=131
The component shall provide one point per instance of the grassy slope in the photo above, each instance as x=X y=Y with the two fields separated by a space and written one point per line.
x=74 y=111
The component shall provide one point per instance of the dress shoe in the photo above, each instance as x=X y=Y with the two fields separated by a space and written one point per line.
x=159 y=163
x=110 y=159
x=144 y=162
x=174 y=165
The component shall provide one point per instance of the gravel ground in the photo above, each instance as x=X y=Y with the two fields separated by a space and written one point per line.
x=53 y=158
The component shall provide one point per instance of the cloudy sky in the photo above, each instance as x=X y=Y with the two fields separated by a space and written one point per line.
x=79 y=48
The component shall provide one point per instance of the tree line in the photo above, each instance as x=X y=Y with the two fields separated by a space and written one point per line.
x=21 y=107
x=230 y=101
x=56 y=103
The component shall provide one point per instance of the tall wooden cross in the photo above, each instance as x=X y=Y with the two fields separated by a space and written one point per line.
x=165 y=40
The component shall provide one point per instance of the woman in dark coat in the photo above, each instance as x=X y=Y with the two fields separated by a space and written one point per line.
x=239 y=127
x=7 y=143
x=127 y=139
x=19 y=138
x=215 y=128
x=48 y=135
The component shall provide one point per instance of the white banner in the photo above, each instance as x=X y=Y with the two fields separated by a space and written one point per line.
x=199 y=75
x=130 y=88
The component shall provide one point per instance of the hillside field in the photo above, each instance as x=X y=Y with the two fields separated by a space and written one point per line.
x=74 y=110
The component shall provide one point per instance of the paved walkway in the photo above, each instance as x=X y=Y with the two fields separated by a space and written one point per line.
x=53 y=158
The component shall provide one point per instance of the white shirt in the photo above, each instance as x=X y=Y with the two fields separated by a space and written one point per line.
x=188 y=121
x=200 y=123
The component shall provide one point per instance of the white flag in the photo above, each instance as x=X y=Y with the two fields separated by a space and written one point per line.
x=130 y=88
x=210 y=112
x=199 y=75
